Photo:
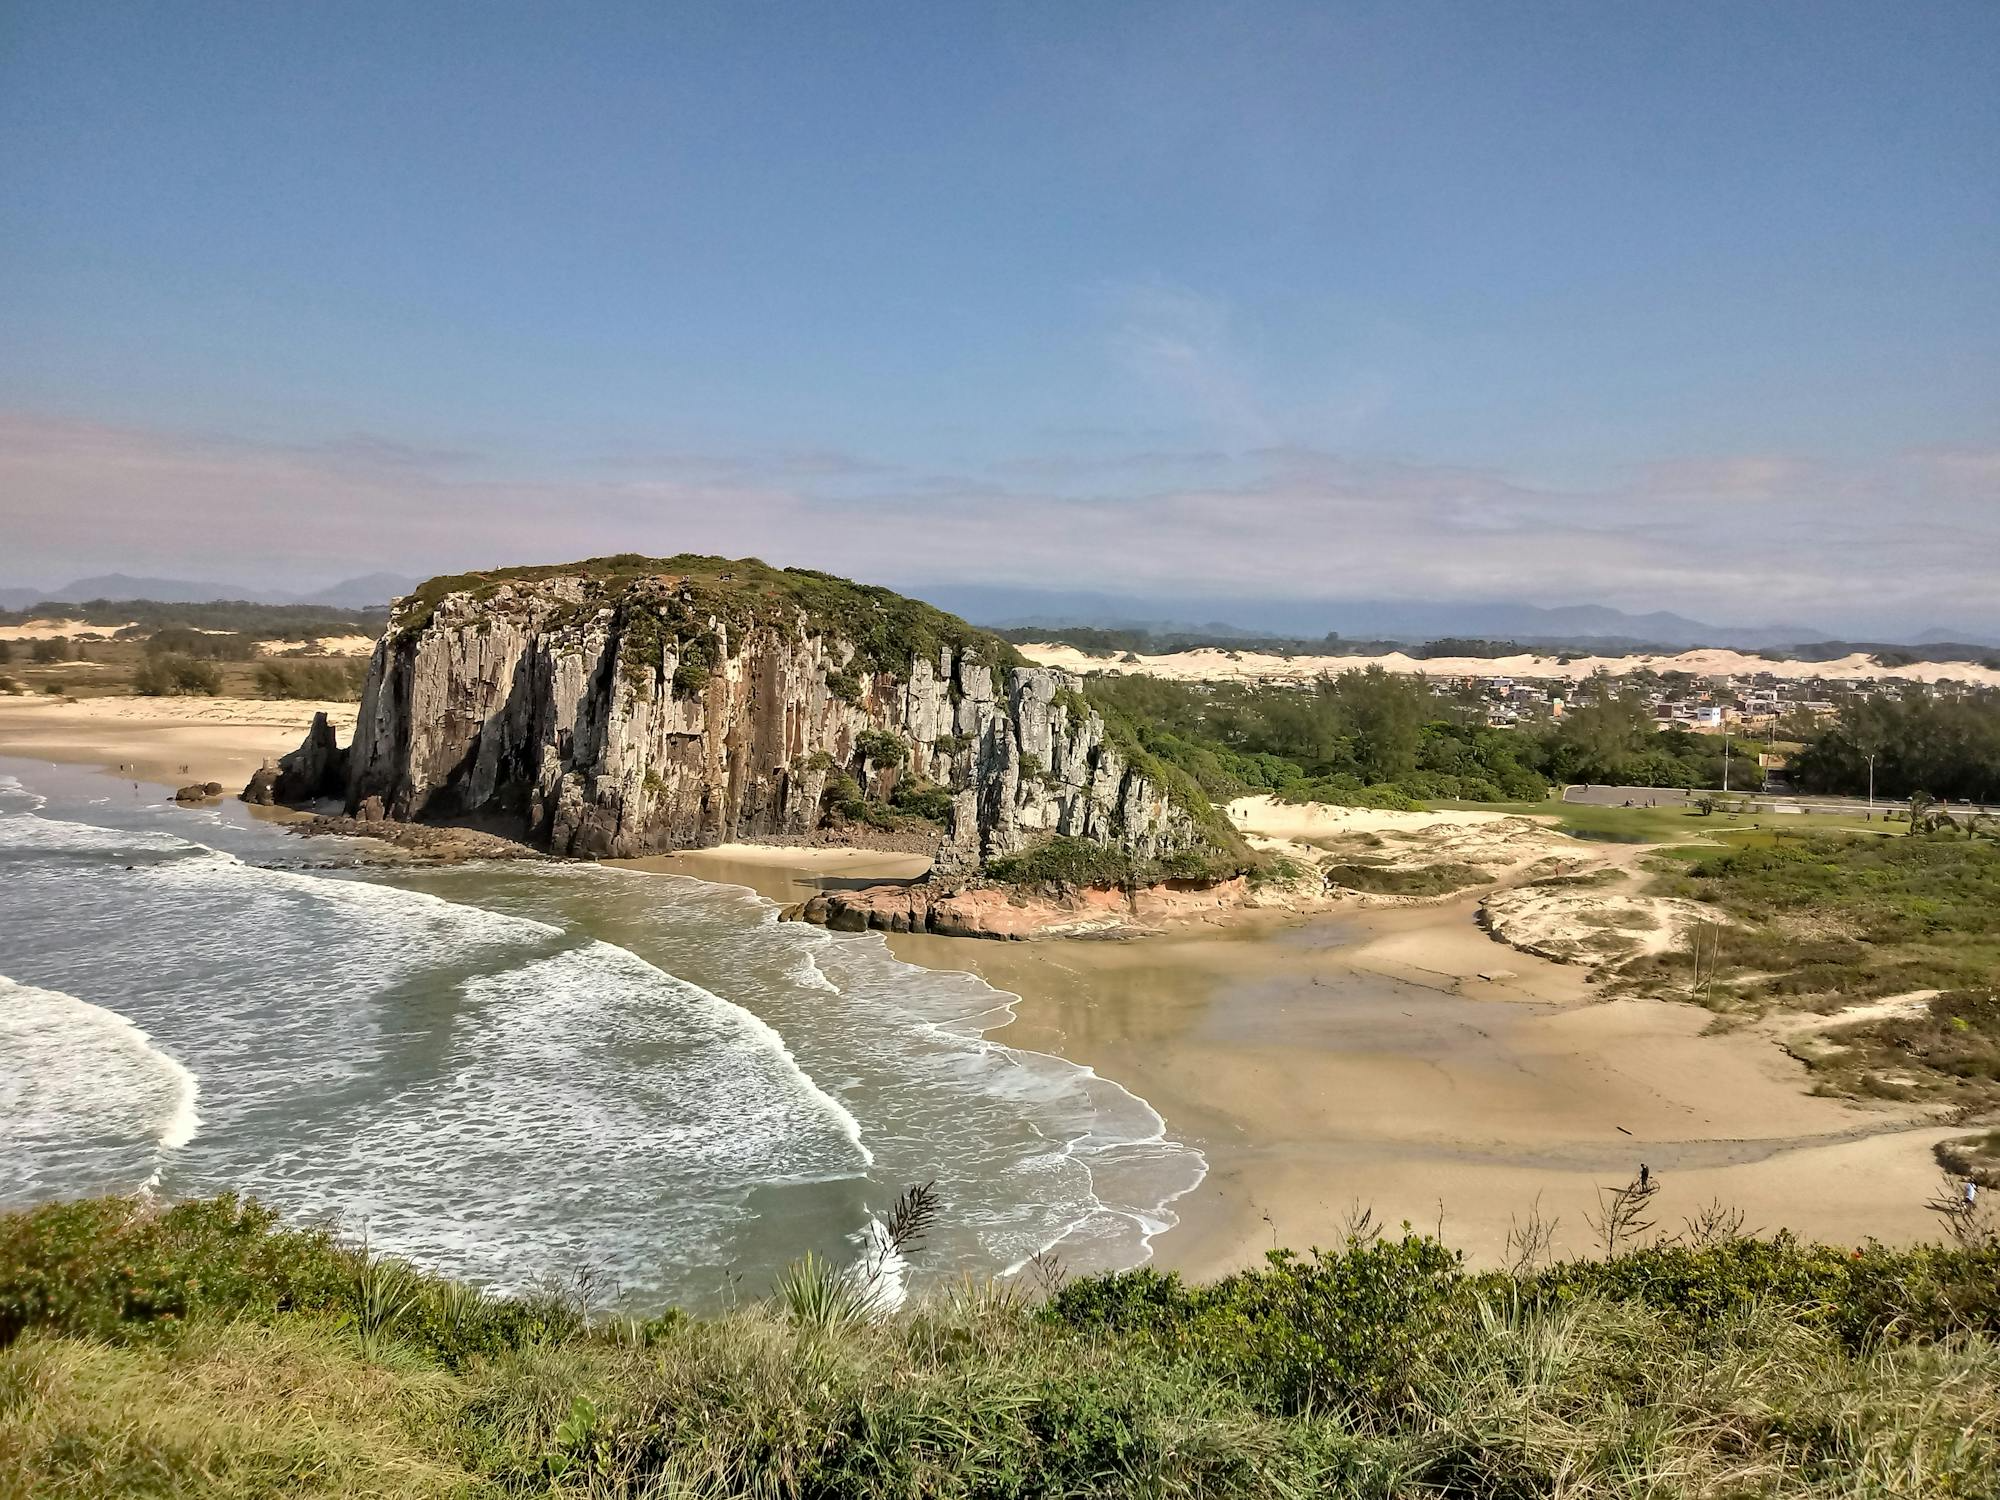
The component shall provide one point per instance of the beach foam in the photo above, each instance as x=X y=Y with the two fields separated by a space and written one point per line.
x=510 y=1072
x=87 y=1101
x=1031 y=1152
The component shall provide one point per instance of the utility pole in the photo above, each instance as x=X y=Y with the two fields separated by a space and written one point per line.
x=1871 y=783
x=1725 y=760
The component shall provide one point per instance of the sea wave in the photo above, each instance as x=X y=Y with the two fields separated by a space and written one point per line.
x=593 y=1109
x=33 y=832
x=1088 y=1168
x=13 y=791
x=513 y=1071
x=85 y=1090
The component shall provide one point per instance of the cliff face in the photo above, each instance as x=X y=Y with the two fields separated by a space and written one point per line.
x=665 y=712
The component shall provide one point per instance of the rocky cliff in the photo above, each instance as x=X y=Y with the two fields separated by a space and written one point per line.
x=627 y=706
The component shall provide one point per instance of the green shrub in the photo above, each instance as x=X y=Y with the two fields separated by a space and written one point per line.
x=1328 y=1329
x=881 y=749
x=1862 y=1296
x=1065 y=863
x=922 y=799
x=121 y=1268
x=1347 y=791
x=206 y=1350
x=339 y=681
x=843 y=796
x=54 y=649
x=181 y=640
x=699 y=656
x=172 y=676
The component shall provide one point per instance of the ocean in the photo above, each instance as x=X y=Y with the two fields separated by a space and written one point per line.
x=520 y=1073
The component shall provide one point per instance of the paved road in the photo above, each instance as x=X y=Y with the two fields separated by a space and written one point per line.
x=1653 y=796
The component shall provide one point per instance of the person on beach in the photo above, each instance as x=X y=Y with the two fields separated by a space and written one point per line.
x=1971 y=1194
x=1645 y=1176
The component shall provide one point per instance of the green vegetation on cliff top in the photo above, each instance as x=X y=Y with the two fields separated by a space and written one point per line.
x=887 y=629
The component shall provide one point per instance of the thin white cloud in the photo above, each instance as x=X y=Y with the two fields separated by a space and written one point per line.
x=1727 y=537
x=1183 y=347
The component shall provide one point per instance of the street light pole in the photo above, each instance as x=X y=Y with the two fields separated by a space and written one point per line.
x=1871 y=784
x=1725 y=760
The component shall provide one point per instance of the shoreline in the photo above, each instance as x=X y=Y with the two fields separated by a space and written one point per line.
x=1396 y=1058
x=173 y=741
x=1402 y=1061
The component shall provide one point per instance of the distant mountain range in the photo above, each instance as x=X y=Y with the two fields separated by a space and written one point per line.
x=1365 y=619
x=1574 y=625
x=366 y=592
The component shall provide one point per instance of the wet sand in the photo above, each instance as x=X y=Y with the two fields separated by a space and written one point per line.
x=1334 y=1063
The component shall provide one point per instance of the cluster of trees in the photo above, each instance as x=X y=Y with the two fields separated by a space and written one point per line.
x=1460 y=645
x=171 y=675
x=41 y=653
x=1361 y=736
x=1612 y=739
x=204 y=645
x=337 y=680
x=1377 y=738
x=1921 y=742
x=264 y=622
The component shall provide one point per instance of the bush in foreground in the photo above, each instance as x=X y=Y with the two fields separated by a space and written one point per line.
x=206 y=1350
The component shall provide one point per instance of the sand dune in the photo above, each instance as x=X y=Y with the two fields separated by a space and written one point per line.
x=48 y=630
x=1210 y=664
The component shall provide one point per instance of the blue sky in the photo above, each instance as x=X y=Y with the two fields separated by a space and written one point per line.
x=1684 y=305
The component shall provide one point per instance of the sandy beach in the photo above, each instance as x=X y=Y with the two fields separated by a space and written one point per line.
x=1402 y=1061
x=1397 y=1058
x=169 y=740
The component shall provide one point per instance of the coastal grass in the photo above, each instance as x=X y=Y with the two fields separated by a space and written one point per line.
x=1443 y=878
x=1675 y=824
x=1828 y=922
x=204 y=1349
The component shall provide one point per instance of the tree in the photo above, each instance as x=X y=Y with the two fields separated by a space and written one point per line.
x=1602 y=740
x=1385 y=716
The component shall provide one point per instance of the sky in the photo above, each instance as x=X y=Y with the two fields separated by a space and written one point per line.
x=1689 y=306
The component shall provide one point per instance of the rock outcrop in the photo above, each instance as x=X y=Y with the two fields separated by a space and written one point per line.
x=632 y=706
x=317 y=769
x=989 y=911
